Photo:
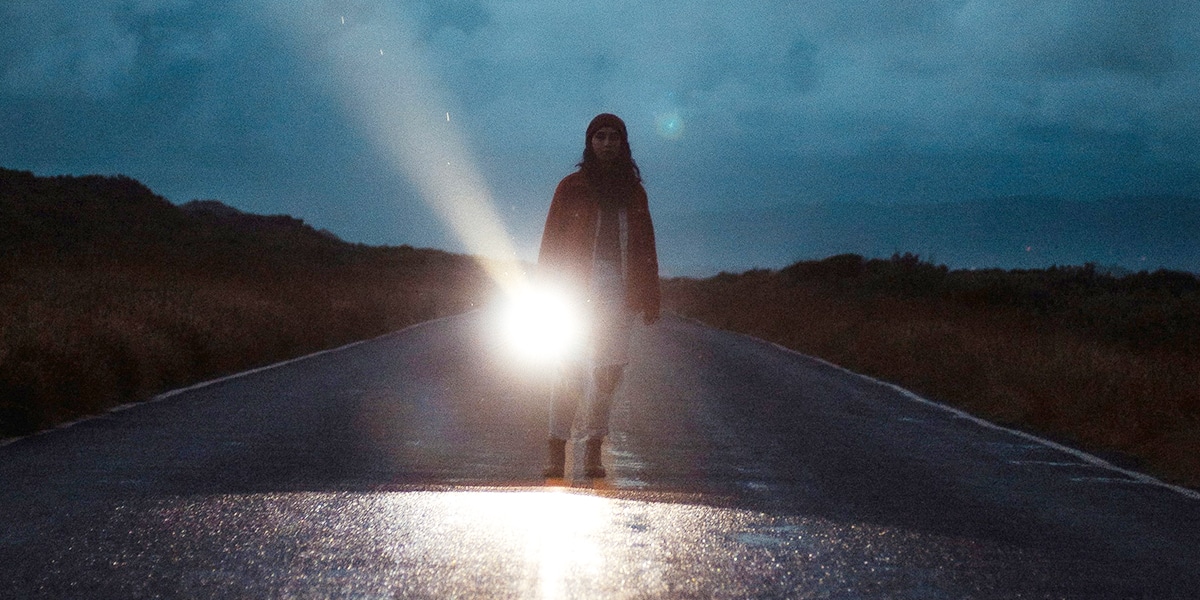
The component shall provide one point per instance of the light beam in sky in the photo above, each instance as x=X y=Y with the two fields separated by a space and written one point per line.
x=398 y=102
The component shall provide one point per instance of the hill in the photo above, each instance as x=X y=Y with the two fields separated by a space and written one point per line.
x=1133 y=233
x=1101 y=362
x=109 y=293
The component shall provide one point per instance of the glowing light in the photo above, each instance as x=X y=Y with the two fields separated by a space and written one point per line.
x=556 y=534
x=559 y=533
x=447 y=117
x=669 y=125
x=542 y=323
x=560 y=556
x=393 y=98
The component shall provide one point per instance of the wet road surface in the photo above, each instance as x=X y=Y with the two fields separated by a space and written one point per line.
x=408 y=466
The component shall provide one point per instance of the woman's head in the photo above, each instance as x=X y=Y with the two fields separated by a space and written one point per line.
x=606 y=148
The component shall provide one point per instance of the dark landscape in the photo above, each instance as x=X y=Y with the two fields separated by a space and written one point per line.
x=1097 y=361
x=110 y=294
x=1120 y=235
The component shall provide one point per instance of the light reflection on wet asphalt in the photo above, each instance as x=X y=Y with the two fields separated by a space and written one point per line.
x=503 y=542
x=407 y=467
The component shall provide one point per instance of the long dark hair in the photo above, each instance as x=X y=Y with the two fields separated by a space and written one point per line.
x=623 y=171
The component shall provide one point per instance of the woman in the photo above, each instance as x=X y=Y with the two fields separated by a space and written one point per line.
x=599 y=240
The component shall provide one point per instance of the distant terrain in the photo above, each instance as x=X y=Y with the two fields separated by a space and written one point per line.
x=1126 y=234
x=1106 y=363
x=110 y=294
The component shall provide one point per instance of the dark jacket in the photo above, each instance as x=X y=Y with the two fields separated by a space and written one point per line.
x=568 y=242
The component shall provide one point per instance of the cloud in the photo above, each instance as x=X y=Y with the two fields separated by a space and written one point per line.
x=93 y=49
x=1065 y=37
x=830 y=77
x=197 y=99
x=465 y=16
x=87 y=54
x=753 y=103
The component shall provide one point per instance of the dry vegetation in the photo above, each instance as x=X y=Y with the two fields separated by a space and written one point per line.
x=110 y=294
x=1105 y=363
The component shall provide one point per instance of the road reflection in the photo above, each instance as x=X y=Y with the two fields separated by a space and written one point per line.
x=559 y=531
x=531 y=543
x=572 y=543
x=507 y=542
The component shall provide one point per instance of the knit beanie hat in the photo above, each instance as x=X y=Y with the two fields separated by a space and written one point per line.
x=606 y=120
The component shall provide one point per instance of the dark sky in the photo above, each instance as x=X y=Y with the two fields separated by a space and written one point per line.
x=376 y=119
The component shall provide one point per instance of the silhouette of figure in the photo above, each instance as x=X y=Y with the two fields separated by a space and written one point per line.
x=599 y=240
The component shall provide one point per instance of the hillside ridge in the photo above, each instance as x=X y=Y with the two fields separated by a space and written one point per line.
x=110 y=294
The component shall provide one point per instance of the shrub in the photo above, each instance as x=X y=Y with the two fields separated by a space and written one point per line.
x=1108 y=363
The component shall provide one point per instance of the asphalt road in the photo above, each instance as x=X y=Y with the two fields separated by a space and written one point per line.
x=408 y=466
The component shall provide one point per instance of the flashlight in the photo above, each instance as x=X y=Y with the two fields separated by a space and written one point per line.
x=543 y=323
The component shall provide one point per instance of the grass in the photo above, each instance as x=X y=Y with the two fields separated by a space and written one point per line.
x=1104 y=363
x=109 y=294
x=75 y=342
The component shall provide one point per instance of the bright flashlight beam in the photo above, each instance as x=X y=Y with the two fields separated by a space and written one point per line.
x=543 y=324
x=400 y=105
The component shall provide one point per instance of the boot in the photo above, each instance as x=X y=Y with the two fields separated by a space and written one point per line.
x=556 y=459
x=591 y=459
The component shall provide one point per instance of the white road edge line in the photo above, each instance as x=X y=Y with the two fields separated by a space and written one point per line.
x=1081 y=455
x=1084 y=456
x=203 y=384
x=1104 y=480
x=1049 y=463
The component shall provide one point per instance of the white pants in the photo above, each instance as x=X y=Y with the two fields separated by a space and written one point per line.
x=609 y=329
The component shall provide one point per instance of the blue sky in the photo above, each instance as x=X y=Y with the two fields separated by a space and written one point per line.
x=335 y=110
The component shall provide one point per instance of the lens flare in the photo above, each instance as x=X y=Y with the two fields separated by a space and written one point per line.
x=669 y=125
